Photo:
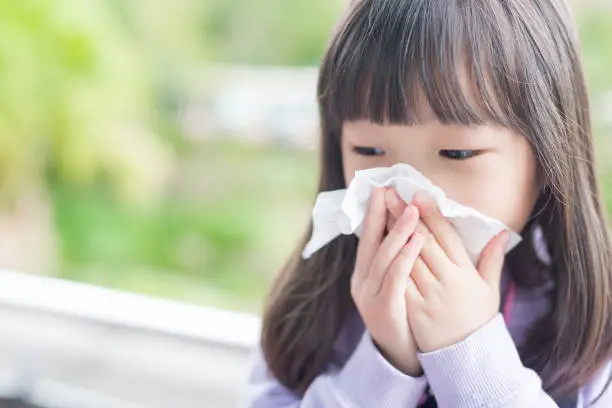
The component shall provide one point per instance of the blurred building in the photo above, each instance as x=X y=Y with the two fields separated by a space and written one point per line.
x=264 y=104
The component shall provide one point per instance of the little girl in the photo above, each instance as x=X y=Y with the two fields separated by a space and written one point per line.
x=486 y=98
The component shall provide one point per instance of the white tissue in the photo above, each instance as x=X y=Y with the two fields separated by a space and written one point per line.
x=343 y=211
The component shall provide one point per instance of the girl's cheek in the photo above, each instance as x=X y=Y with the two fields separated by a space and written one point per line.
x=506 y=196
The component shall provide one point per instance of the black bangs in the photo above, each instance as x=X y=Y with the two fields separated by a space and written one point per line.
x=410 y=61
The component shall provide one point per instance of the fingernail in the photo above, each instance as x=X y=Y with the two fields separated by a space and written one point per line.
x=391 y=198
x=419 y=238
x=421 y=197
x=407 y=214
x=378 y=191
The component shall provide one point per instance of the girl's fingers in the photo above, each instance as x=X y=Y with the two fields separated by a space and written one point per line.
x=395 y=204
x=389 y=249
x=395 y=207
x=425 y=281
x=435 y=258
x=492 y=259
x=394 y=283
x=371 y=236
x=445 y=233
x=412 y=295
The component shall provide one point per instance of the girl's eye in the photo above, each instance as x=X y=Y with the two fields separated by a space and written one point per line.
x=368 y=151
x=458 y=154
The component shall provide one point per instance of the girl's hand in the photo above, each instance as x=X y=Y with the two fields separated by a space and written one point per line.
x=380 y=279
x=447 y=297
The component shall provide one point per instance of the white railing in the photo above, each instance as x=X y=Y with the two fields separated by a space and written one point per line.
x=71 y=341
x=106 y=306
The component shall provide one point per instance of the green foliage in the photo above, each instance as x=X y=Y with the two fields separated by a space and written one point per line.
x=596 y=39
x=73 y=92
x=212 y=241
x=269 y=31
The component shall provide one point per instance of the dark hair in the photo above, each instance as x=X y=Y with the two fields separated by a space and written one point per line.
x=513 y=63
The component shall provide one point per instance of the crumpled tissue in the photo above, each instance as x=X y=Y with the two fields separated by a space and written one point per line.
x=343 y=211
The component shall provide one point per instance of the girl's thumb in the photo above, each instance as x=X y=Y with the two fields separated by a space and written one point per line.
x=492 y=259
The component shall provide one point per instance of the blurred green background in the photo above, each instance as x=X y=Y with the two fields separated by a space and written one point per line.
x=167 y=148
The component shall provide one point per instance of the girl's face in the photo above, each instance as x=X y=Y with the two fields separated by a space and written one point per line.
x=488 y=168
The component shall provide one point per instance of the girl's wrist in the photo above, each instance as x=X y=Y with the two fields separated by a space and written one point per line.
x=408 y=366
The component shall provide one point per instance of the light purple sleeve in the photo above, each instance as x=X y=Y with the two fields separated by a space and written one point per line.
x=591 y=395
x=485 y=371
x=366 y=380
